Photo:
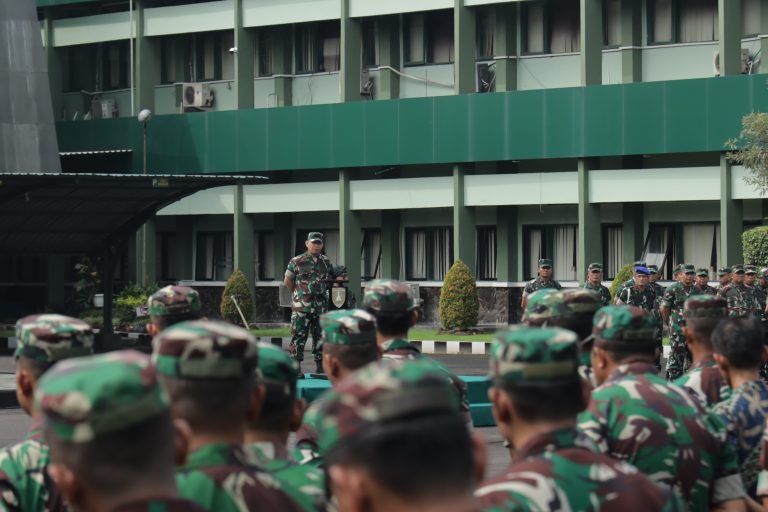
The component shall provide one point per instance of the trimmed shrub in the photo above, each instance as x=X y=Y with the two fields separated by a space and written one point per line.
x=754 y=244
x=624 y=274
x=237 y=286
x=459 y=304
x=125 y=303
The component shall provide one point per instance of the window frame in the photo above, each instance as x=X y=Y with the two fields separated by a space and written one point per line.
x=650 y=18
x=427 y=38
x=429 y=248
x=480 y=249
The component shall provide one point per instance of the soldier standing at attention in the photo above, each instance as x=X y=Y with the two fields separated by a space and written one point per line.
x=702 y=282
x=306 y=278
x=594 y=283
x=544 y=280
x=750 y=275
x=672 y=313
x=724 y=276
x=761 y=293
x=653 y=281
x=631 y=281
x=536 y=395
x=638 y=294
x=741 y=300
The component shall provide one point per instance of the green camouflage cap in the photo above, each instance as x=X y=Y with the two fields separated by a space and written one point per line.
x=737 y=269
x=763 y=273
x=382 y=393
x=654 y=269
x=314 y=235
x=750 y=269
x=205 y=349
x=545 y=262
x=688 y=268
x=388 y=295
x=534 y=356
x=617 y=326
x=702 y=272
x=50 y=338
x=174 y=300
x=595 y=266
x=723 y=271
x=678 y=268
x=277 y=367
x=84 y=398
x=639 y=263
x=546 y=306
x=705 y=306
x=348 y=327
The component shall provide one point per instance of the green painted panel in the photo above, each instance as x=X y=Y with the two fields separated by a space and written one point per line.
x=685 y=115
x=223 y=157
x=380 y=128
x=563 y=121
x=252 y=147
x=487 y=110
x=525 y=124
x=348 y=144
x=315 y=145
x=643 y=120
x=730 y=112
x=282 y=147
x=603 y=115
x=416 y=130
x=452 y=129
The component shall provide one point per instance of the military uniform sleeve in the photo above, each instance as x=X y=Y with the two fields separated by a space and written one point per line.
x=558 y=285
x=307 y=450
x=668 y=299
x=727 y=484
x=591 y=421
x=623 y=296
x=528 y=288
x=290 y=271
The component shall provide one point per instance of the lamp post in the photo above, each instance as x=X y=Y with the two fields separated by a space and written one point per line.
x=143 y=118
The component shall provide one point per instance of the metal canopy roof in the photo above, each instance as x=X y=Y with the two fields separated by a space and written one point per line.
x=56 y=213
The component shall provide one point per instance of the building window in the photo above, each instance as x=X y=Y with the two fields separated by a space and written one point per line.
x=551 y=27
x=265 y=52
x=613 y=251
x=611 y=22
x=486 y=22
x=195 y=58
x=555 y=242
x=682 y=21
x=330 y=242
x=669 y=244
x=370 y=254
x=428 y=253
x=428 y=38
x=174 y=55
x=22 y=269
x=214 y=256
x=318 y=47
x=165 y=256
x=115 y=65
x=750 y=15
x=208 y=54
x=486 y=253
x=81 y=68
x=533 y=28
x=264 y=256
x=370 y=43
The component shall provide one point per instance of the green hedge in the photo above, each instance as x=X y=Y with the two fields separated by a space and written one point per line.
x=459 y=303
x=754 y=243
x=624 y=274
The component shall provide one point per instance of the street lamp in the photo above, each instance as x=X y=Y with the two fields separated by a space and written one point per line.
x=143 y=118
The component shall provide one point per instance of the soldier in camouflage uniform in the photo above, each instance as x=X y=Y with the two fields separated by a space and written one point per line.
x=741 y=300
x=536 y=396
x=639 y=293
x=42 y=340
x=638 y=417
x=738 y=347
x=594 y=283
x=282 y=411
x=394 y=439
x=543 y=281
x=653 y=282
x=111 y=435
x=348 y=344
x=306 y=278
x=724 y=276
x=702 y=282
x=672 y=313
x=171 y=305
x=703 y=381
x=392 y=304
x=631 y=281
x=209 y=370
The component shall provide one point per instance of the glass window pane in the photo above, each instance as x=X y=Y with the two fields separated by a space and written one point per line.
x=415 y=48
x=698 y=20
x=534 y=28
x=662 y=21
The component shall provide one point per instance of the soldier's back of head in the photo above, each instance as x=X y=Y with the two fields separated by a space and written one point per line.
x=171 y=305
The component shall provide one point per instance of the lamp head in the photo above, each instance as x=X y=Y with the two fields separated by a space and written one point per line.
x=144 y=115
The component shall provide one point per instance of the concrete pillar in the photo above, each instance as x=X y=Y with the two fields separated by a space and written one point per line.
x=591 y=17
x=243 y=240
x=506 y=244
x=631 y=41
x=146 y=273
x=505 y=45
x=731 y=217
x=282 y=64
x=390 y=244
x=185 y=243
x=244 y=60
x=147 y=64
x=464 y=236
x=349 y=234
x=53 y=63
x=763 y=28
x=389 y=55
x=730 y=28
x=464 y=44
x=589 y=244
x=351 y=55
x=632 y=231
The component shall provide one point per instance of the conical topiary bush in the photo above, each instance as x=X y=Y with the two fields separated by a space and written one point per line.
x=237 y=286
x=459 y=304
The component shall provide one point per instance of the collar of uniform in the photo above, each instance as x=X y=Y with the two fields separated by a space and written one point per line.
x=633 y=368
x=268 y=451
x=750 y=387
x=592 y=286
x=706 y=362
x=35 y=432
x=554 y=440
x=219 y=454
x=398 y=344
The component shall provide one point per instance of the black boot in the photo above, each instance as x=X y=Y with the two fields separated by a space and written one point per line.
x=319 y=367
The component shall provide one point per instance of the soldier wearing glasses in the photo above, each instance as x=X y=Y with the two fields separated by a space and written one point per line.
x=594 y=283
x=306 y=277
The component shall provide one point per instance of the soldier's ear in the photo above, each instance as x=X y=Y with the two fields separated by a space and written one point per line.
x=68 y=484
x=256 y=402
x=182 y=433
x=479 y=455
x=351 y=487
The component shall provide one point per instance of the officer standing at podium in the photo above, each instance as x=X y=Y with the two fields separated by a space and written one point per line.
x=306 y=277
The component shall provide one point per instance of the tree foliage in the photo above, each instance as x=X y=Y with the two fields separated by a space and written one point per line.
x=750 y=149
x=237 y=286
x=624 y=274
x=754 y=243
x=459 y=303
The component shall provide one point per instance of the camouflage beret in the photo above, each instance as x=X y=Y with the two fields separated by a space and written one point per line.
x=737 y=269
x=723 y=271
x=205 y=349
x=348 y=327
x=688 y=268
x=50 y=338
x=534 y=356
x=705 y=306
x=702 y=272
x=84 y=398
x=277 y=367
x=595 y=266
x=750 y=269
x=382 y=393
x=174 y=300
x=544 y=307
x=388 y=295
x=616 y=326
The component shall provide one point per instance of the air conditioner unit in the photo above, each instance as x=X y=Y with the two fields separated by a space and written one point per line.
x=746 y=62
x=366 y=84
x=103 y=109
x=195 y=94
x=485 y=76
